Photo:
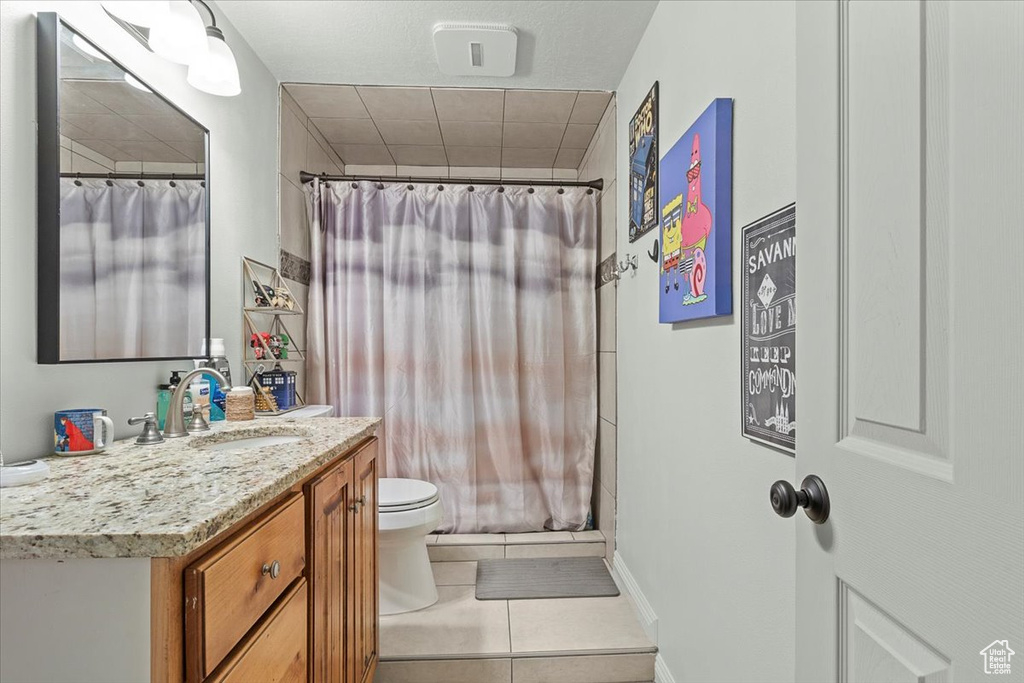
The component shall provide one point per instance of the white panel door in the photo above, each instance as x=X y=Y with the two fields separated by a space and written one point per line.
x=910 y=194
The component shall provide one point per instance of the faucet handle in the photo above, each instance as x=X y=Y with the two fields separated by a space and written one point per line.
x=199 y=423
x=150 y=434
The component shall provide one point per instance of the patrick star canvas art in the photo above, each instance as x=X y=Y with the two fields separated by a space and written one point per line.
x=696 y=219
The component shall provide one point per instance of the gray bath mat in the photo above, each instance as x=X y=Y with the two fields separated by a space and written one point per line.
x=543 y=577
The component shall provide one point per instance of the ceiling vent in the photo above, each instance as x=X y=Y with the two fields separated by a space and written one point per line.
x=475 y=49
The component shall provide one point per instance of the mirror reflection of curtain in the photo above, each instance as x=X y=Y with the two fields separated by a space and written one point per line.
x=467 y=318
x=133 y=268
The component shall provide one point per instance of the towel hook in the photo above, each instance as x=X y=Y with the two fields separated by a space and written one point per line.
x=630 y=263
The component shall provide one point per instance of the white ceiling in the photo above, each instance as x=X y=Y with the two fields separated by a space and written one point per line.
x=569 y=44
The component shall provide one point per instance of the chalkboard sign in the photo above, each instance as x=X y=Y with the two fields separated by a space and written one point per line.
x=769 y=329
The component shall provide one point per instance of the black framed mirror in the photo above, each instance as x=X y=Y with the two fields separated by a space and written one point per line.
x=123 y=206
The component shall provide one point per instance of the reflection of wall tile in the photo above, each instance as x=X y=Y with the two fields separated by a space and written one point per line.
x=168 y=167
x=92 y=155
x=80 y=164
x=295 y=268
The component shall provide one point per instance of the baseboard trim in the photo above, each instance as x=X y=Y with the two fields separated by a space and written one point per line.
x=661 y=672
x=628 y=585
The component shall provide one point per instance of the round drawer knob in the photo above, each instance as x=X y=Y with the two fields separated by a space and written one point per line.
x=274 y=569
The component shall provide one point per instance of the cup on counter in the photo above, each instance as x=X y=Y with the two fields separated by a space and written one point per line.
x=81 y=430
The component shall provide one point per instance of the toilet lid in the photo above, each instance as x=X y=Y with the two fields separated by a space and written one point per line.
x=394 y=495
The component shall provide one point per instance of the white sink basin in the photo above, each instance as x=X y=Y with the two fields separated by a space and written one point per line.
x=251 y=442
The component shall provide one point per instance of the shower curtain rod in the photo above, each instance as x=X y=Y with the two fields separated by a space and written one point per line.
x=136 y=176
x=598 y=184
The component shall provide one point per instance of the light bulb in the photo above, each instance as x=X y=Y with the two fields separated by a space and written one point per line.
x=181 y=37
x=216 y=72
x=147 y=13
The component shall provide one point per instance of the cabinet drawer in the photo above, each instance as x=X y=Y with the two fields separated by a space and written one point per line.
x=275 y=652
x=228 y=590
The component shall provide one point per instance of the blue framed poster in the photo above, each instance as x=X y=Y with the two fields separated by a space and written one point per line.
x=643 y=167
x=696 y=220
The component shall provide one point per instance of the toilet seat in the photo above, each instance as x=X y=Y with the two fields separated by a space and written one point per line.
x=408 y=510
x=400 y=495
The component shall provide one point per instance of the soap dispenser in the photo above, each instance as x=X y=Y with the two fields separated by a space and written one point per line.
x=163 y=398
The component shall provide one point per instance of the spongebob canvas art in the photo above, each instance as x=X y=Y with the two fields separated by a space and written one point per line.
x=696 y=227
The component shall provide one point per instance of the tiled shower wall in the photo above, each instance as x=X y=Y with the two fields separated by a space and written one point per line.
x=303 y=148
x=599 y=162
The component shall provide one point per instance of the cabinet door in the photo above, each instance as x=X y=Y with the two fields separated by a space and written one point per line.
x=366 y=563
x=275 y=652
x=331 y=544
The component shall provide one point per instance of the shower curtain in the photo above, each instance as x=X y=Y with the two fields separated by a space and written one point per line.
x=133 y=268
x=467 y=319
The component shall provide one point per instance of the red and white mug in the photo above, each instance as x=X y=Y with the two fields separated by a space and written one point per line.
x=81 y=430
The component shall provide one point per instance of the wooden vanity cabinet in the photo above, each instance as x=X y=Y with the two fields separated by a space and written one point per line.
x=343 y=552
x=366 y=585
x=291 y=595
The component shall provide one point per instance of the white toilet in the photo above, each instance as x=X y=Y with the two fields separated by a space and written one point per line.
x=408 y=510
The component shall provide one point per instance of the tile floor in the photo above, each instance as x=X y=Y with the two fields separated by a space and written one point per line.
x=464 y=640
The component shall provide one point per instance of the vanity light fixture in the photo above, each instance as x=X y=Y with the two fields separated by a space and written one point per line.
x=145 y=13
x=216 y=72
x=180 y=37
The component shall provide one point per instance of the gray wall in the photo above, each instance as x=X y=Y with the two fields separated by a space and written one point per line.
x=694 y=524
x=243 y=202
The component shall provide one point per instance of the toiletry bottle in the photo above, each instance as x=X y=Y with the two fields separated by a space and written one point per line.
x=218 y=361
x=163 y=398
x=214 y=395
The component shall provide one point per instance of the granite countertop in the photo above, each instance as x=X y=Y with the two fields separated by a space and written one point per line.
x=168 y=499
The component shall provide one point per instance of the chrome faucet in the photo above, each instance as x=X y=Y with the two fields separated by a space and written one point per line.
x=174 y=424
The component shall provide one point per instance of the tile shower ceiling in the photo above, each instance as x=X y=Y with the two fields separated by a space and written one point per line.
x=125 y=124
x=378 y=125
